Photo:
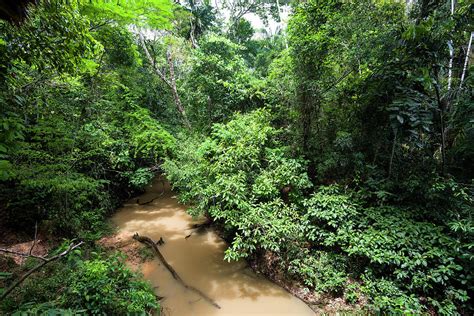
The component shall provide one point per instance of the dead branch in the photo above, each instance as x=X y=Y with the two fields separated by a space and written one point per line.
x=151 y=60
x=148 y=202
x=198 y=228
x=21 y=254
x=44 y=262
x=149 y=242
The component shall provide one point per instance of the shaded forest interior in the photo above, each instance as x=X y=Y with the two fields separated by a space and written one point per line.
x=334 y=147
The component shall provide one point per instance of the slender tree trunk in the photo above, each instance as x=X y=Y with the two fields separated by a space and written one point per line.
x=409 y=4
x=451 y=54
x=170 y=83
x=450 y=67
x=281 y=22
x=392 y=154
x=174 y=90
x=466 y=61
x=192 y=33
x=441 y=108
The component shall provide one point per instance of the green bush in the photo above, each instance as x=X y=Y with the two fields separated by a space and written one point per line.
x=406 y=261
x=102 y=285
x=220 y=83
x=336 y=240
x=69 y=204
x=108 y=286
x=324 y=271
x=237 y=177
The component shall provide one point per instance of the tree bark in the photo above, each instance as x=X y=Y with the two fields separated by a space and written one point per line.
x=393 y=153
x=441 y=108
x=150 y=243
x=174 y=90
x=170 y=83
x=466 y=61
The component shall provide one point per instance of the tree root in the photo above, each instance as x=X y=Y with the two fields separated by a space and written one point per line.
x=149 y=242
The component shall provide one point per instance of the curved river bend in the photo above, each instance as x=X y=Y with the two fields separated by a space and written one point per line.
x=199 y=261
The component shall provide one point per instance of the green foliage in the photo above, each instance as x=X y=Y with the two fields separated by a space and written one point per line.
x=148 y=138
x=71 y=204
x=352 y=293
x=241 y=31
x=236 y=176
x=122 y=51
x=58 y=39
x=404 y=259
x=323 y=271
x=220 y=83
x=194 y=18
x=151 y=13
x=110 y=287
x=401 y=254
x=366 y=105
x=73 y=286
x=387 y=296
x=82 y=142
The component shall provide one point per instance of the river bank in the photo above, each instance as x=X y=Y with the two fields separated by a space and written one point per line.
x=199 y=261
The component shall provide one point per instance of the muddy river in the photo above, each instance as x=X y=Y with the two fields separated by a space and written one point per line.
x=199 y=261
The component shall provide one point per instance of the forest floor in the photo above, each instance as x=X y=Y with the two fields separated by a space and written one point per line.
x=124 y=243
x=22 y=243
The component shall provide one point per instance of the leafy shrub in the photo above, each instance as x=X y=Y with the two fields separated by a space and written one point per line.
x=386 y=296
x=236 y=176
x=32 y=309
x=72 y=286
x=321 y=270
x=71 y=204
x=148 y=138
x=139 y=178
x=335 y=240
x=108 y=286
x=352 y=293
x=75 y=173
x=402 y=255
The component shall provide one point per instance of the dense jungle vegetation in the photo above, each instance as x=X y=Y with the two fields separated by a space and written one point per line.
x=341 y=145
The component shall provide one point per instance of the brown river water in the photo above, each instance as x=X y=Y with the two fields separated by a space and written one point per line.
x=199 y=260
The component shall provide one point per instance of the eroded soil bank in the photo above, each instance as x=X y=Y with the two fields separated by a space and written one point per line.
x=199 y=261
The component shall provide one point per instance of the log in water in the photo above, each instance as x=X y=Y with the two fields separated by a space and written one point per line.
x=199 y=262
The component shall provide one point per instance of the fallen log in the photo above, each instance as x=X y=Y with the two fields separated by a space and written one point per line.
x=150 y=243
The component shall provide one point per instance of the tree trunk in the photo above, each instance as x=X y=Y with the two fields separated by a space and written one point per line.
x=174 y=90
x=441 y=108
x=393 y=153
x=149 y=242
x=170 y=83
x=466 y=61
